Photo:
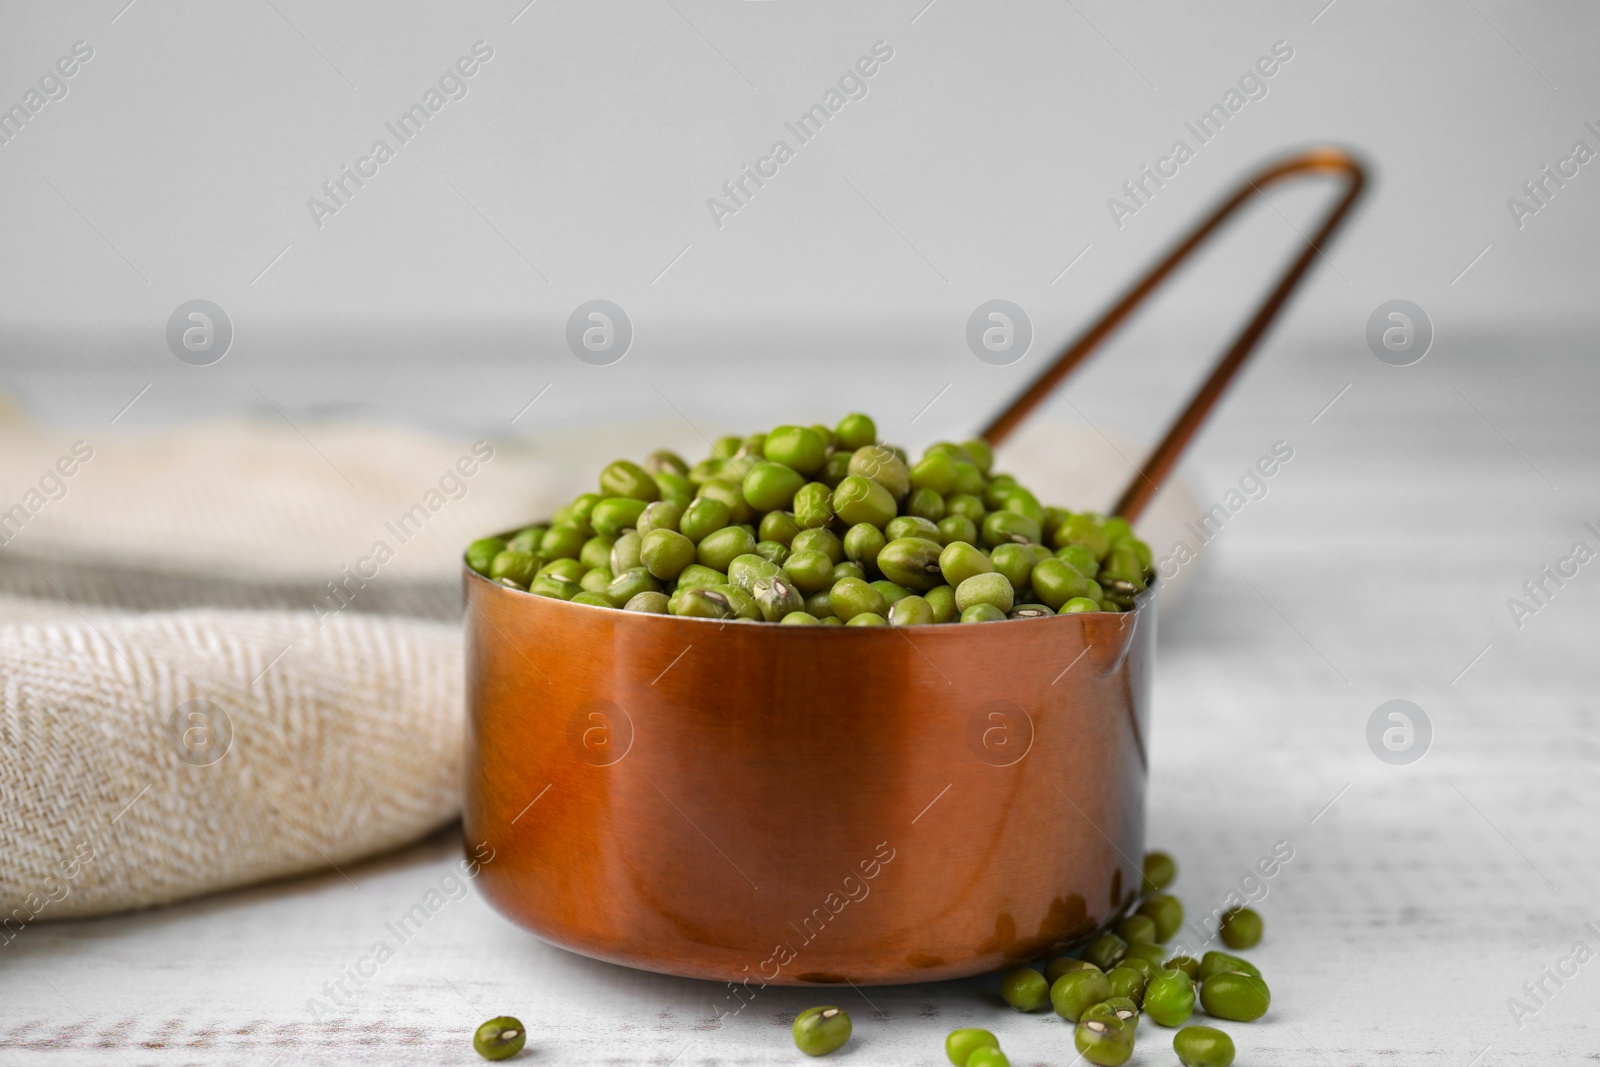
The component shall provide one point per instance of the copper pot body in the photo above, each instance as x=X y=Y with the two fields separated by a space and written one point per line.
x=766 y=804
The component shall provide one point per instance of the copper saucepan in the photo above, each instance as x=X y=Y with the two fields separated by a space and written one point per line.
x=789 y=805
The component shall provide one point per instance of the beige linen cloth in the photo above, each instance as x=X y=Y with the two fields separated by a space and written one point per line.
x=231 y=651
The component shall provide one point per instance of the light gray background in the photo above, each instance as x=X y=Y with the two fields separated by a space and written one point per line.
x=977 y=168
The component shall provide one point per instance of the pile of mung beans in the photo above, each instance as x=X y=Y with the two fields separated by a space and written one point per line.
x=807 y=525
x=1115 y=980
x=1104 y=992
x=1129 y=973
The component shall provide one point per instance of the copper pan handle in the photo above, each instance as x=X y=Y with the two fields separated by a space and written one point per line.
x=1148 y=481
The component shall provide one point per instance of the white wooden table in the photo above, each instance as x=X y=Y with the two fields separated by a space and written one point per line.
x=1419 y=899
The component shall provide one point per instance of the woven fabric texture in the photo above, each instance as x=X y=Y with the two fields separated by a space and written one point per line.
x=151 y=758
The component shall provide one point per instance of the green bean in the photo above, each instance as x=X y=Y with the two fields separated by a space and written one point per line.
x=1159 y=869
x=1187 y=964
x=665 y=553
x=624 y=555
x=779 y=526
x=776 y=598
x=1025 y=989
x=1066 y=965
x=1104 y=1042
x=569 y=569
x=810 y=571
x=982 y=455
x=1215 y=962
x=625 y=479
x=674 y=488
x=862 y=543
x=819 y=1031
x=1121 y=1009
x=1025 y=504
x=825 y=541
x=924 y=504
x=859 y=499
x=1002 y=527
x=615 y=514
x=703 y=604
x=562 y=542
x=1137 y=927
x=911 y=526
x=1203 y=1046
x=499 y=1038
x=960 y=561
x=936 y=472
x=961 y=1044
x=991 y=589
x=649 y=603
x=954 y=528
x=1080 y=559
x=1083 y=530
x=882 y=465
x=1015 y=562
x=481 y=553
x=579 y=510
x=1166 y=911
x=695 y=575
x=705 y=470
x=943 y=601
x=1123 y=564
x=913 y=562
x=891 y=592
x=965 y=506
x=1237 y=997
x=868 y=618
x=723 y=547
x=1055 y=581
x=744 y=570
x=526 y=539
x=1127 y=982
x=1075 y=991
x=813 y=506
x=798 y=447
x=771 y=486
x=1149 y=951
x=664 y=460
x=834 y=469
x=1106 y=951
x=853 y=432
x=850 y=597
x=1169 y=998
x=704 y=517
x=520 y=567
x=556 y=588
x=731 y=493
x=1241 y=928
x=848 y=569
